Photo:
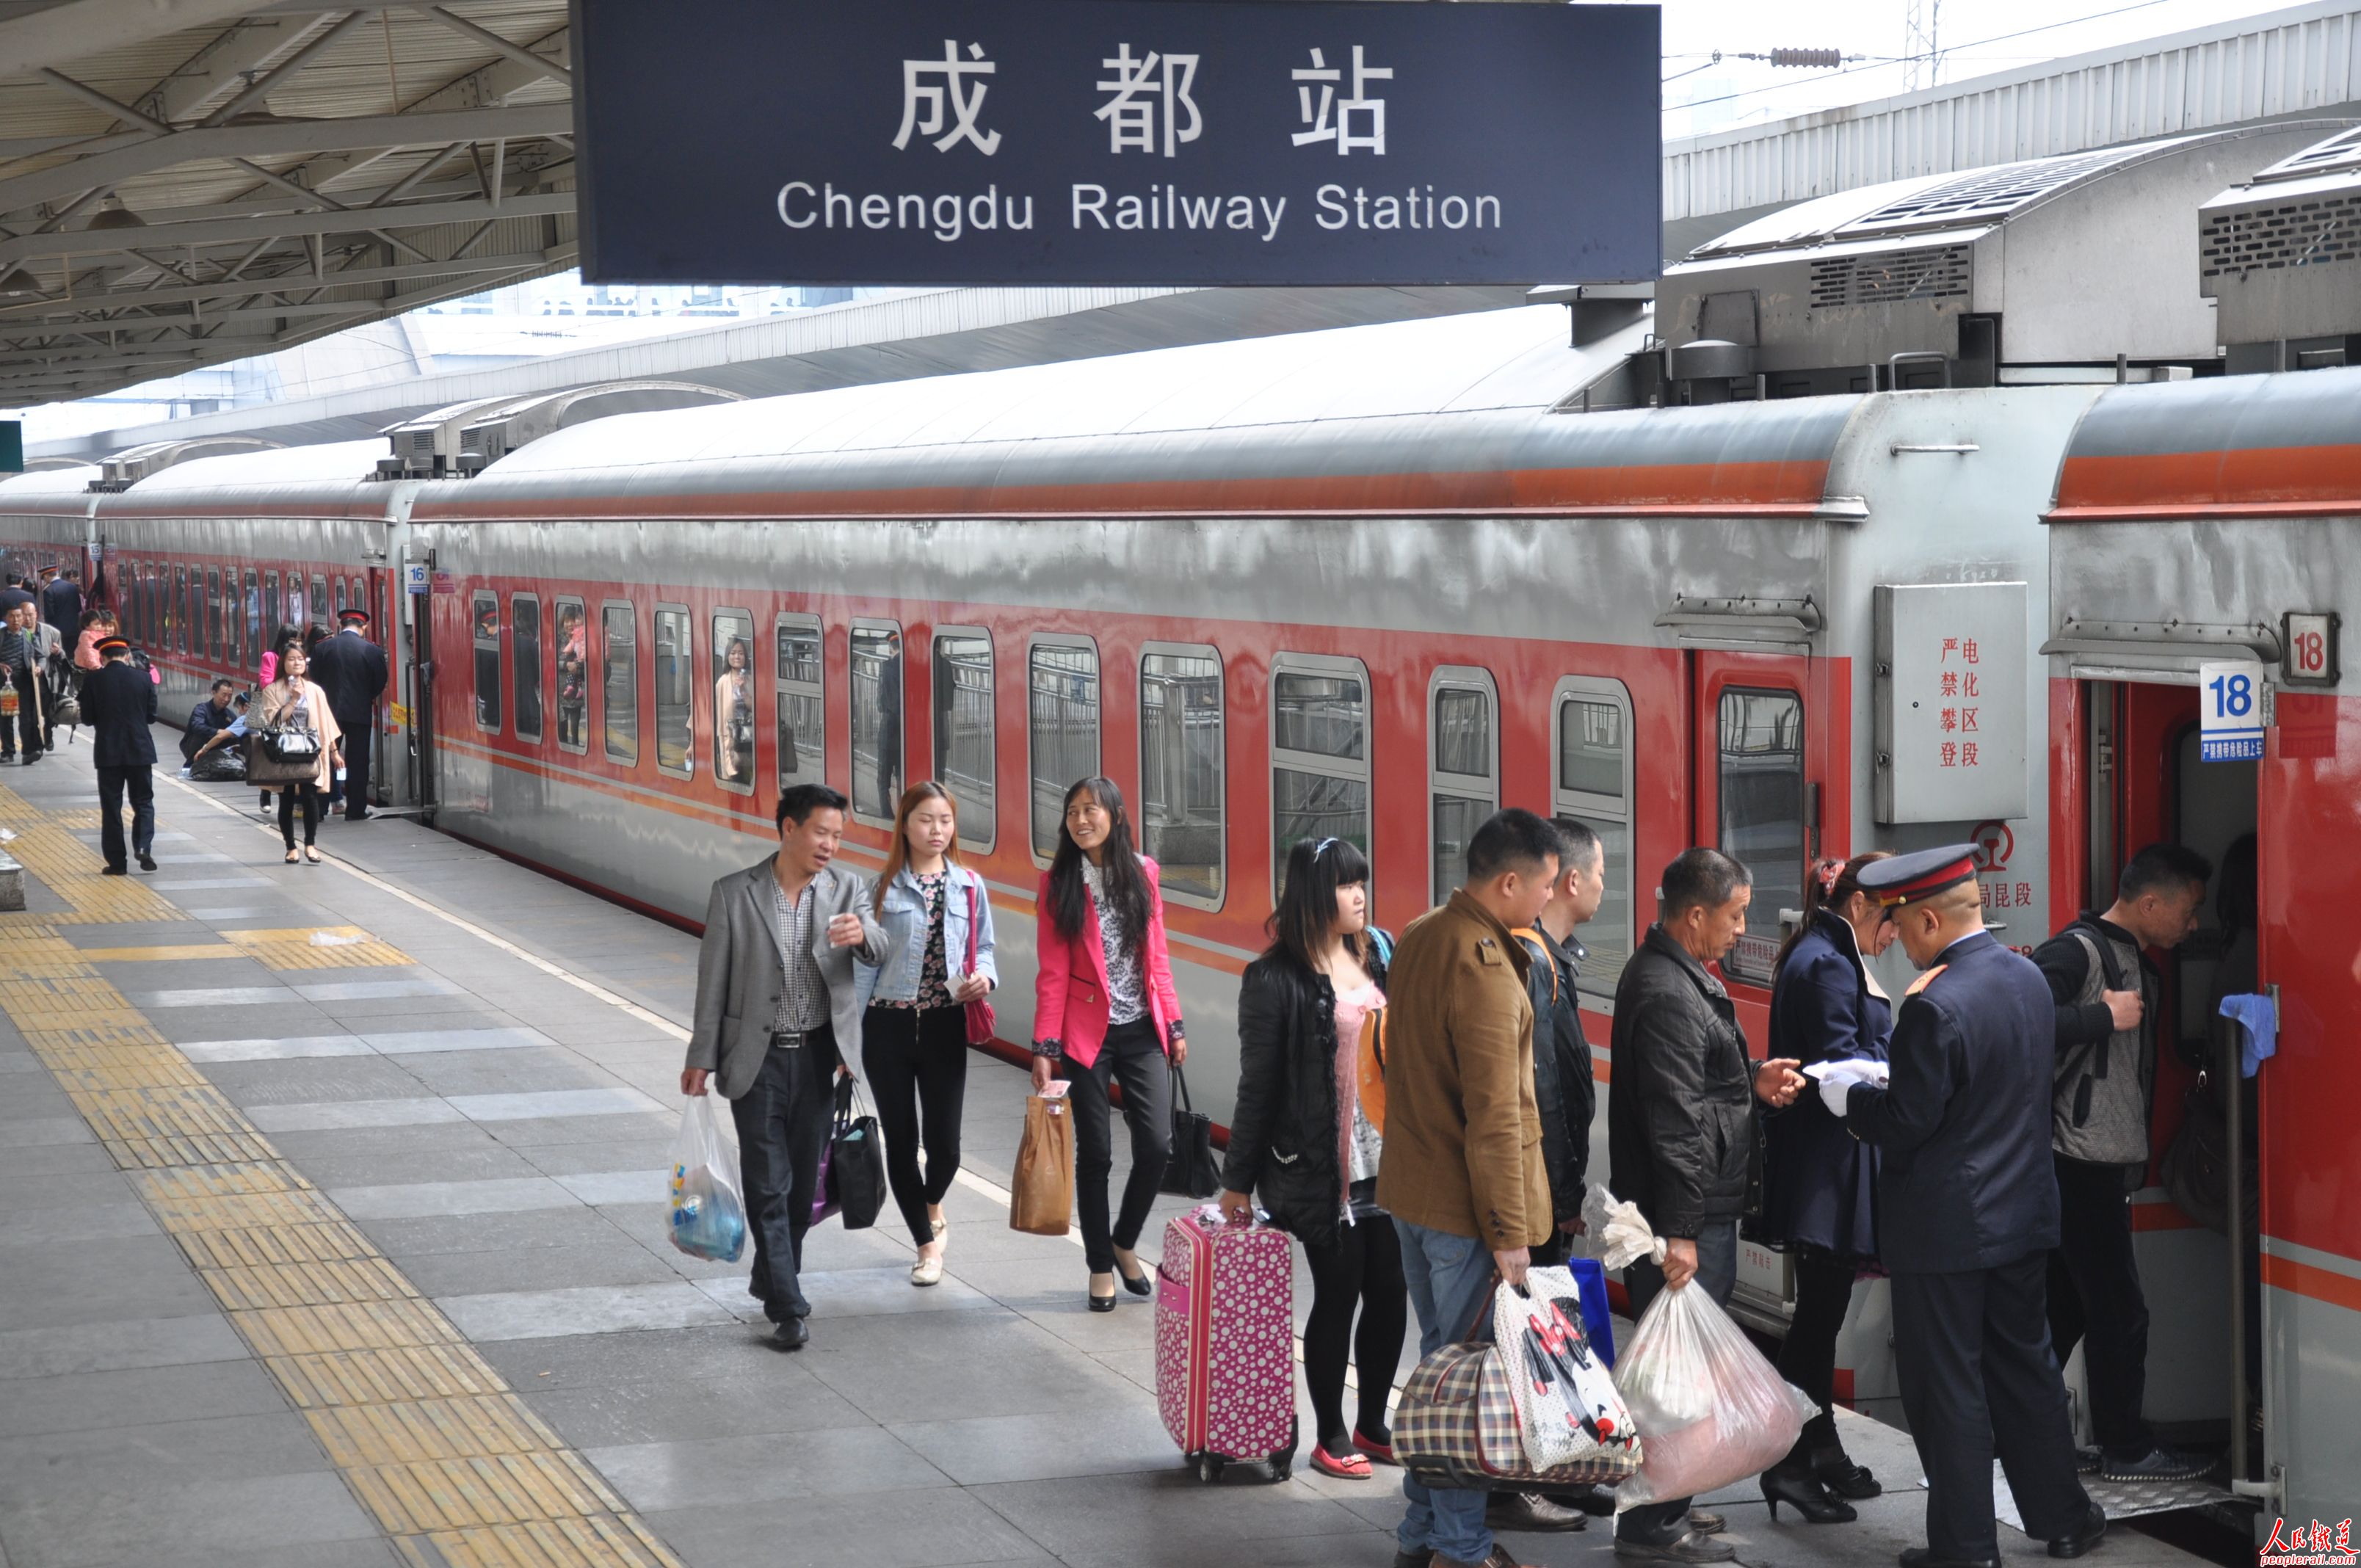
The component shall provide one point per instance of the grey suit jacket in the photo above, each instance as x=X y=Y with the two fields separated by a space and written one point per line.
x=737 y=971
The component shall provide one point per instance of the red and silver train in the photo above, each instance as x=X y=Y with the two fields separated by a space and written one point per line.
x=1680 y=575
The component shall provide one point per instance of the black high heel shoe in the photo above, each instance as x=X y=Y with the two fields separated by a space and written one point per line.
x=1140 y=1287
x=1834 y=1469
x=1805 y=1494
x=1102 y=1303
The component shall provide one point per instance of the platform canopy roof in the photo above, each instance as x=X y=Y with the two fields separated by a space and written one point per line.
x=189 y=182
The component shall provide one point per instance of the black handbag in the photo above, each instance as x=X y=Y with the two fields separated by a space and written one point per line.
x=289 y=743
x=1191 y=1172
x=856 y=1159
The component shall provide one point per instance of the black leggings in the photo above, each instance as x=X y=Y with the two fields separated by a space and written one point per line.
x=1808 y=1358
x=289 y=794
x=917 y=1061
x=1132 y=1055
x=1365 y=1268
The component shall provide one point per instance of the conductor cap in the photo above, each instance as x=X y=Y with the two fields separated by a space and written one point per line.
x=1906 y=879
x=355 y=616
x=113 y=645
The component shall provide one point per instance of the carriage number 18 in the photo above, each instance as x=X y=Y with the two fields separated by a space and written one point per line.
x=2234 y=696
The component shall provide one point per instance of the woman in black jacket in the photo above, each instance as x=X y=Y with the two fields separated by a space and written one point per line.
x=1306 y=1135
x=1819 y=1186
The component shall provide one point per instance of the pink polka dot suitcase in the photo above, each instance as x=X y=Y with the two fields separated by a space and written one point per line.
x=1224 y=1344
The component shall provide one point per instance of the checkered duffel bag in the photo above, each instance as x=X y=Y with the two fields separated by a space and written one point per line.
x=1456 y=1427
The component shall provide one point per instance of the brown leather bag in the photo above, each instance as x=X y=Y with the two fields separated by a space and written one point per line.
x=1041 y=1195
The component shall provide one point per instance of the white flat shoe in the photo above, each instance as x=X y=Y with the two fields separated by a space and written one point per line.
x=926 y=1271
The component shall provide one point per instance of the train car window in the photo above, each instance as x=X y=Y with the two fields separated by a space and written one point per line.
x=487 y=633
x=320 y=600
x=1462 y=769
x=295 y=599
x=676 y=673
x=802 y=716
x=1062 y=714
x=213 y=616
x=524 y=633
x=876 y=720
x=1590 y=783
x=176 y=611
x=270 y=621
x=573 y=676
x=1319 y=754
x=1180 y=750
x=252 y=614
x=618 y=655
x=337 y=583
x=963 y=731
x=733 y=700
x=1761 y=773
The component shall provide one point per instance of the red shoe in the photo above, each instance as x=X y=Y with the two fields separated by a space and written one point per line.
x=1383 y=1452
x=1351 y=1467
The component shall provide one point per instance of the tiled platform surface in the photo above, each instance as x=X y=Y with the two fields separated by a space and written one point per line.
x=331 y=1232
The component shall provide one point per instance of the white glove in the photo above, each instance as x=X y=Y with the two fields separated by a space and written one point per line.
x=1835 y=1094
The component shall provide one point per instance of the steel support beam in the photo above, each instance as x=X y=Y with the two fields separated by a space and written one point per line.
x=239 y=231
x=81 y=29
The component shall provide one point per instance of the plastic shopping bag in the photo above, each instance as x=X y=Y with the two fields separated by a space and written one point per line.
x=708 y=1216
x=1568 y=1410
x=1042 y=1195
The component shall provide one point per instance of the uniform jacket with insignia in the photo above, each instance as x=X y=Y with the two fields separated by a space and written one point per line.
x=1966 y=1181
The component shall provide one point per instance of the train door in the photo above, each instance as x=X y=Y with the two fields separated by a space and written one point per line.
x=2147 y=783
x=1754 y=794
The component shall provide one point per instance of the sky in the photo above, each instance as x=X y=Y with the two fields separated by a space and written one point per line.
x=1750 y=92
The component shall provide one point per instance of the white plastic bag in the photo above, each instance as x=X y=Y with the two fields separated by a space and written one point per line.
x=1710 y=1410
x=1615 y=1232
x=708 y=1216
x=1568 y=1411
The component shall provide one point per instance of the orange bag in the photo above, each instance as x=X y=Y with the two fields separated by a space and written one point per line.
x=1041 y=1198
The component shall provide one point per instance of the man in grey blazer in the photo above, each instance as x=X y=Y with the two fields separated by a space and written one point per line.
x=777 y=1021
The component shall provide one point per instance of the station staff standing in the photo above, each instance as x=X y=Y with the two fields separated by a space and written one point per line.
x=1967 y=1214
x=120 y=703
x=353 y=671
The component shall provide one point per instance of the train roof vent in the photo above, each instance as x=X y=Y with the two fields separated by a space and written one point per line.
x=1929 y=272
x=493 y=433
x=2279 y=254
x=127 y=467
x=1987 y=193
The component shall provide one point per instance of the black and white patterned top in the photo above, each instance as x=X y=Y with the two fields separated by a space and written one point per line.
x=802 y=990
x=1126 y=991
x=934 y=968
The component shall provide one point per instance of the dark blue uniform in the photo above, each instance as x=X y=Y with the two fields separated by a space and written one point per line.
x=1967 y=1214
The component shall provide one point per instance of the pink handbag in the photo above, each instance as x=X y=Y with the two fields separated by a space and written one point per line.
x=982 y=1025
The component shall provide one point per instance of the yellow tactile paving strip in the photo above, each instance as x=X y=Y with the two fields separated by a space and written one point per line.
x=454 y=1467
x=299 y=948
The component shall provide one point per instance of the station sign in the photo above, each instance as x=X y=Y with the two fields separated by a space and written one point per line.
x=1116 y=142
x=2232 y=707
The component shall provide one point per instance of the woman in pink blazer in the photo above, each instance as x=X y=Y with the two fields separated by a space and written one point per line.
x=1105 y=1009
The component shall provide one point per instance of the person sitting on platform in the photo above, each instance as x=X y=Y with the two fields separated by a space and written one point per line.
x=207 y=718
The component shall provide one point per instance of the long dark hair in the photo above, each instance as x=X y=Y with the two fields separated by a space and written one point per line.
x=898 y=857
x=1124 y=879
x=1299 y=928
x=1829 y=885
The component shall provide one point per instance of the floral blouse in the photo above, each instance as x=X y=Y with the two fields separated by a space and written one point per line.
x=934 y=968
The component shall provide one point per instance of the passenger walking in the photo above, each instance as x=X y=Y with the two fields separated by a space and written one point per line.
x=22 y=656
x=1819 y=1183
x=119 y=706
x=2108 y=999
x=733 y=714
x=1684 y=1140
x=287 y=637
x=1967 y=1210
x=1463 y=1175
x=1104 y=1011
x=353 y=671
x=1307 y=1139
x=914 y=997
x=778 y=1020
x=294 y=705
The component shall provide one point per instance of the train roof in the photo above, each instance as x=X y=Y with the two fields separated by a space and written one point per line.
x=1440 y=415
x=2285 y=445
x=50 y=492
x=327 y=480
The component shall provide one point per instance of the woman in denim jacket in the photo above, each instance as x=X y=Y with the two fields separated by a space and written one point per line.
x=913 y=1031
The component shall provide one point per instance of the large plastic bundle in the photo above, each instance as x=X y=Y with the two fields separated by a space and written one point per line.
x=708 y=1216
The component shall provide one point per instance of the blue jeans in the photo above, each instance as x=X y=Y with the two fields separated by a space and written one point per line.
x=1716 y=1245
x=1450 y=1279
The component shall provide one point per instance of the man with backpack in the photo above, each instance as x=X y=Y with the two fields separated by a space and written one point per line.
x=2107 y=994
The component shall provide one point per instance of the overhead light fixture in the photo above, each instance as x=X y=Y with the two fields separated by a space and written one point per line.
x=113 y=215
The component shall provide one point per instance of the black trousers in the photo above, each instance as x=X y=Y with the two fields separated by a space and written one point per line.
x=1132 y=1055
x=1717 y=1247
x=139 y=779
x=1972 y=1349
x=917 y=1061
x=357 y=739
x=1809 y=1357
x=783 y=1123
x=31 y=704
x=1363 y=1270
x=2095 y=1301
x=308 y=794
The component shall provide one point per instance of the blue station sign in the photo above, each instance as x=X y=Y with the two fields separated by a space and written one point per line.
x=1115 y=141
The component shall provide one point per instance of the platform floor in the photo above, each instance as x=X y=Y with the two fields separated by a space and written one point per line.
x=332 y=1232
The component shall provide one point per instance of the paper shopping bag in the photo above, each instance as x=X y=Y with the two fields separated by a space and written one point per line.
x=1043 y=1193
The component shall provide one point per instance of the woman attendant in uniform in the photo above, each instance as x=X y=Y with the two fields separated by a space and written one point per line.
x=1819 y=1182
x=733 y=715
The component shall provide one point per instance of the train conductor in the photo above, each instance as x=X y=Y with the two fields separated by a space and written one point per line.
x=1968 y=1212
x=352 y=670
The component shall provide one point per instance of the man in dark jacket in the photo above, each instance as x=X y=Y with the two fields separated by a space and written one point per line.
x=119 y=704
x=1967 y=1212
x=352 y=670
x=207 y=718
x=21 y=662
x=2107 y=997
x=1682 y=1134
x=62 y=602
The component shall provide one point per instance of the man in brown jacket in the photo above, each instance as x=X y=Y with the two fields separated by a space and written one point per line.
x=1461 y=1174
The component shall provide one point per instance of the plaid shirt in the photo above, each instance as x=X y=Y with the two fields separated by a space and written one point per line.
x=802 y=990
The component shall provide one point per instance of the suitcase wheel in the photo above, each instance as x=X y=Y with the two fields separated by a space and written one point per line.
x=1210 y=1468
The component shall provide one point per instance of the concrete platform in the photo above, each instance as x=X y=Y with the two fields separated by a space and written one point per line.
x=332 y=1232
